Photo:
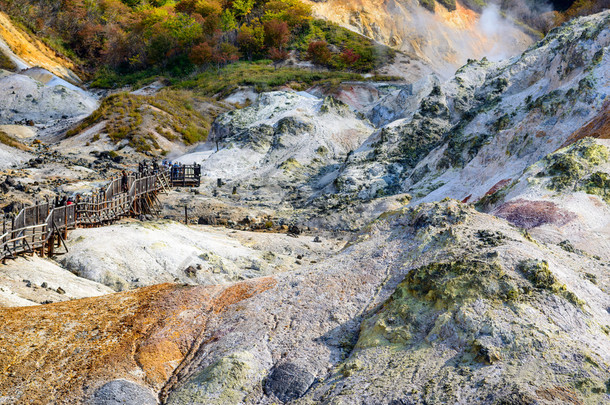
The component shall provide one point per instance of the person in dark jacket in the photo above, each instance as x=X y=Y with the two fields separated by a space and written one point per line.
x=124 y=181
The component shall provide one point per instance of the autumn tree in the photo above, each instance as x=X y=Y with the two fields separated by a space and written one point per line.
x=318 y=52
x=227 y=20
x=168 y=35
x=251 y=39
x=201 y=54
x=242 y=7
x=277 y=56
x=349 y=57
x=293 y=12
x=277 y=34
x=225 y=53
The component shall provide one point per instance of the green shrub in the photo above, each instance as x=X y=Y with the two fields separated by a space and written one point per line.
x=449 y=4
x=6 y=63
x=427 y=4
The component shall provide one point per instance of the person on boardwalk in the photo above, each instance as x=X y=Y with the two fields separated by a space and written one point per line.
x=124 y=181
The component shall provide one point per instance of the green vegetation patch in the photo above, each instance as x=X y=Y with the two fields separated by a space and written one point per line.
x=6 y=63
x=427 y=4
x=107 y=78
x=568 y=167
x=477 y=5
x=541 y=277
x=169 y=113
x=263 y=77
x=449 y=4
x=340 y=49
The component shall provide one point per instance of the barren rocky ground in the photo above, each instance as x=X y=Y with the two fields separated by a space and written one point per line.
x=443 y=239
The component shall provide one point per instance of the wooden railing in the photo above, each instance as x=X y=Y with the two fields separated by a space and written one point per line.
x=38 y=228
x=185 y=175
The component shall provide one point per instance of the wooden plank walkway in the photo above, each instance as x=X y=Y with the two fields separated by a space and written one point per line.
x=44 y=227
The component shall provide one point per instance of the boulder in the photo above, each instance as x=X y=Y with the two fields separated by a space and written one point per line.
x=121 y=392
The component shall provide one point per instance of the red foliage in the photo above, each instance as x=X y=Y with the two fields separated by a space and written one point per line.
x=278 y=55
x=318 y=52
x=225 y=53
x=201 y=54
x=277 y=34
x=349 y=57
x=211 y=25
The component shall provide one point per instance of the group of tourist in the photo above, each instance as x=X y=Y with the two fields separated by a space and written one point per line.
x=65 y=200
x=144 y=169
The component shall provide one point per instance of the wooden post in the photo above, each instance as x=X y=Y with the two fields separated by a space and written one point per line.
x=13 y=231
x=186 y=215
x=42 y=241
x=65 y=221
x=51 y=244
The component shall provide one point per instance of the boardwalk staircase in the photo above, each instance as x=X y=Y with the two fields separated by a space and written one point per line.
x=43 y=228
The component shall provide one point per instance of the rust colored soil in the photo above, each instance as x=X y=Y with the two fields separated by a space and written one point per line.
x=498 y=186
x=530 y=214
x=598 y=127
x=60 y=352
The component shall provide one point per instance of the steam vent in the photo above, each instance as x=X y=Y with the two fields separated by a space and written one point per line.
x=304 y=202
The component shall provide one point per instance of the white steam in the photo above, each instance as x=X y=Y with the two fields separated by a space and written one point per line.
x=446 y=47
x=499 y=32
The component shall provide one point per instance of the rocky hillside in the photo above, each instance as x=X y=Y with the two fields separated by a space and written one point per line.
x=441 y=241
x=20 y=51
x=40 y=90
x=490 y=121
x=441 y=35
x=462 y=138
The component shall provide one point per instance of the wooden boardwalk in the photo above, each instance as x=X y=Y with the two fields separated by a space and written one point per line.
x=44 y=227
